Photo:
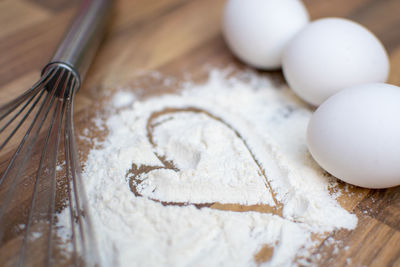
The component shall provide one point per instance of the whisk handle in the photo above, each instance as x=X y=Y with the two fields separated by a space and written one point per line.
x=79 y=45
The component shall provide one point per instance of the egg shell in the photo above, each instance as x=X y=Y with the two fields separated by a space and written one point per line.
x=355 y=135
x=257 y=31
x=331 y=54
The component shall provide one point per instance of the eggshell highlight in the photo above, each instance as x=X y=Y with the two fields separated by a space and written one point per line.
x=355 y=135
x=257 y=31
x=332 y=54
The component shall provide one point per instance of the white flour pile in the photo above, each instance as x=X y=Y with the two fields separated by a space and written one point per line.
x=249 y=125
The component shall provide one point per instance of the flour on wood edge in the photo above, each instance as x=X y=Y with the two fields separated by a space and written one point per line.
x=210 y=176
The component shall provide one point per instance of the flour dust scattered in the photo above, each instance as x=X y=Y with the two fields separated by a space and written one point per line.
x=228 y=140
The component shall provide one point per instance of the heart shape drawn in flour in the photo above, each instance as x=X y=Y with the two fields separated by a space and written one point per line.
x=236 y=181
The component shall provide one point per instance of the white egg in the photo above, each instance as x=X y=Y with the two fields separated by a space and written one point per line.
x=331 y=54
x=355 y=135
x=257 y=31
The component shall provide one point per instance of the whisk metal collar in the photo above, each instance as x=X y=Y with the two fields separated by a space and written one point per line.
x=65 y=66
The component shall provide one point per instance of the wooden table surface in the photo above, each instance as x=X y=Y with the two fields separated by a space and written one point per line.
x=173 y=36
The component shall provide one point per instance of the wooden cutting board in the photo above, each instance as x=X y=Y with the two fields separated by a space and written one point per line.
x=176 y=36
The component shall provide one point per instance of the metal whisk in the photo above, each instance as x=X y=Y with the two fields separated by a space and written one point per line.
x=33 y=186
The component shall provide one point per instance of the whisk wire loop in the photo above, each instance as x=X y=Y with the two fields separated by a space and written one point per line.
x=23 y=152
x=12 y=105
x=54 y=129
x=34 y=187
x=53 y=101
x=7 y=109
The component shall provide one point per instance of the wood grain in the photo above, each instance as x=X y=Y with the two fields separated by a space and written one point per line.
x=183 y=36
